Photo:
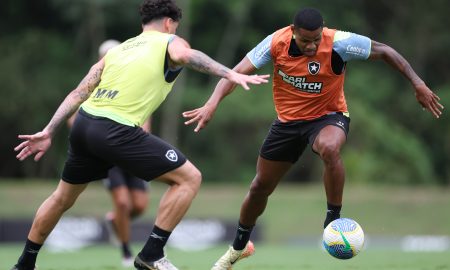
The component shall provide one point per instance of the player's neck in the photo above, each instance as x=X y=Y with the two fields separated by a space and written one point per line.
x=159 y=27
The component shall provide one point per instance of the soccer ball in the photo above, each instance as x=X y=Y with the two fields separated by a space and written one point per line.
x=343 y=238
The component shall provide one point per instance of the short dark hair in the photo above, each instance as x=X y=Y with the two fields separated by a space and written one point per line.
x=309 y=19
x=156 y=9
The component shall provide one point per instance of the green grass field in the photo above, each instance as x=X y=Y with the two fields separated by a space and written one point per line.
x=294 y=212
x=267 y=257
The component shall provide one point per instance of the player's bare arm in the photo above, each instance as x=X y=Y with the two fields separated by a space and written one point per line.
x=223 y=88
x=426 y=97
x=73 y=101
x=181 y=54
x=40 y=142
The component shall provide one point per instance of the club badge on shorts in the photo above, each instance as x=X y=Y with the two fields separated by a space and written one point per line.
x=172 y=155
x=313 y=67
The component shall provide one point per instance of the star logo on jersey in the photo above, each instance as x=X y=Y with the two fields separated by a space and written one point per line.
x=172 y=155
x=313 y=67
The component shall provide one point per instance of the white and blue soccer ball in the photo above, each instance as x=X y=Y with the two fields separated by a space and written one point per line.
x=343 y=238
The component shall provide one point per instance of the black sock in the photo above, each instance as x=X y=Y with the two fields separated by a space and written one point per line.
x=153 y=250
x=242 y=236
x=126 y=251
x=28 y=258
x=333 y=213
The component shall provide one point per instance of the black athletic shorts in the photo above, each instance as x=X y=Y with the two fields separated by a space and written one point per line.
x=96 y=144
x=117 y=177
x=287 y=141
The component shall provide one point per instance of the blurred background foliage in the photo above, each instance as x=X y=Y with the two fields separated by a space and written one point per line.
x=48 y=46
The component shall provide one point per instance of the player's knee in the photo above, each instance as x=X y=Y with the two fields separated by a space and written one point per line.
x=61 y=202
x=195 y=179
x=261 y=188
x=123 y=205
x=329 y=151
x=187 y=177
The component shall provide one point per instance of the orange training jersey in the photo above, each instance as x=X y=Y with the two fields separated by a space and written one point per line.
x=305 y=88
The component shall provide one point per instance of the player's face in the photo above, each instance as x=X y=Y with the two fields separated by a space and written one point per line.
x=308 y=41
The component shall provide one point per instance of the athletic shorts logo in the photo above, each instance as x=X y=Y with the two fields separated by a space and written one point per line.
x=313 y=67
x=172 y=155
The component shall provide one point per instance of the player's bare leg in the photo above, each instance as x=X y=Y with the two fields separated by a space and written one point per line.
x=47 y=216
x=268 y=175
x=52 y=209
x=121 y=215
x=118 y=222
x=184 y=183
x=139 y=202
x=328 y=145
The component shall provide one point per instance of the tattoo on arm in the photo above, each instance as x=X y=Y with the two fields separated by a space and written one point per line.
x=203 y=63
x=76 y=97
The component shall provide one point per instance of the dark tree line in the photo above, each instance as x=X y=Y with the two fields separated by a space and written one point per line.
x=48 y=45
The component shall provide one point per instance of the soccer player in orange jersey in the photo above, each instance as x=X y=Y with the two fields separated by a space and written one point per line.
x=309 y=63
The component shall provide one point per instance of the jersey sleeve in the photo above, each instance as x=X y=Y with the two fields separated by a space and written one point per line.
x=351 y=46
x=260 y=55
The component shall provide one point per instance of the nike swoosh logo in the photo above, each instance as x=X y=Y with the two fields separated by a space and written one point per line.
x=347 y=244
x=32 y=251
x=154 y=235
x=242 y=229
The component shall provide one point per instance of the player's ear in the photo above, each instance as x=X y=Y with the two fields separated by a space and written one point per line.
x=167 y=22
x=293 y=31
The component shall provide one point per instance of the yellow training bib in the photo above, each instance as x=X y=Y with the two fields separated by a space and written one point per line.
x=132 y=84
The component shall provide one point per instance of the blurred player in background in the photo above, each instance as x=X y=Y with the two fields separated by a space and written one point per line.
x=128 y=192
x=117 y=95
x=309 y=63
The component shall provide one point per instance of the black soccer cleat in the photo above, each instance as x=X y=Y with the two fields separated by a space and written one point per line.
x=17 y=267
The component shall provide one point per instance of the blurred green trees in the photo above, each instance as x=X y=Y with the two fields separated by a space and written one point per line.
x=50 y=44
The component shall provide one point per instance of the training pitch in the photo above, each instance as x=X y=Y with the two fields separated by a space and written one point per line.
x=268 y=257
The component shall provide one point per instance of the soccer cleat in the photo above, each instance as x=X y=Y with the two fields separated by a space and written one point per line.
x=232 y=256
x=161 y=264
x=127 y=262
x=16 y=267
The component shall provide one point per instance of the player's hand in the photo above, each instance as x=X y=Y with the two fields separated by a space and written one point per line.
x=245 y=80
x=37 y=144
x=429 y=100
x=200 y=115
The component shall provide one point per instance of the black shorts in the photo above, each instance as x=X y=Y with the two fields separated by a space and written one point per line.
x=96 y=144
x=287 y=141
x=120 y=178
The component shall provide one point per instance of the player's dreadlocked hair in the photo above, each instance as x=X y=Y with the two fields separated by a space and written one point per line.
x=156 y=9
x=309 y=19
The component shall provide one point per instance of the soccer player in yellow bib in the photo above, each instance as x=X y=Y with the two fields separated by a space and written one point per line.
x=116 y=96
x=128 y=192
